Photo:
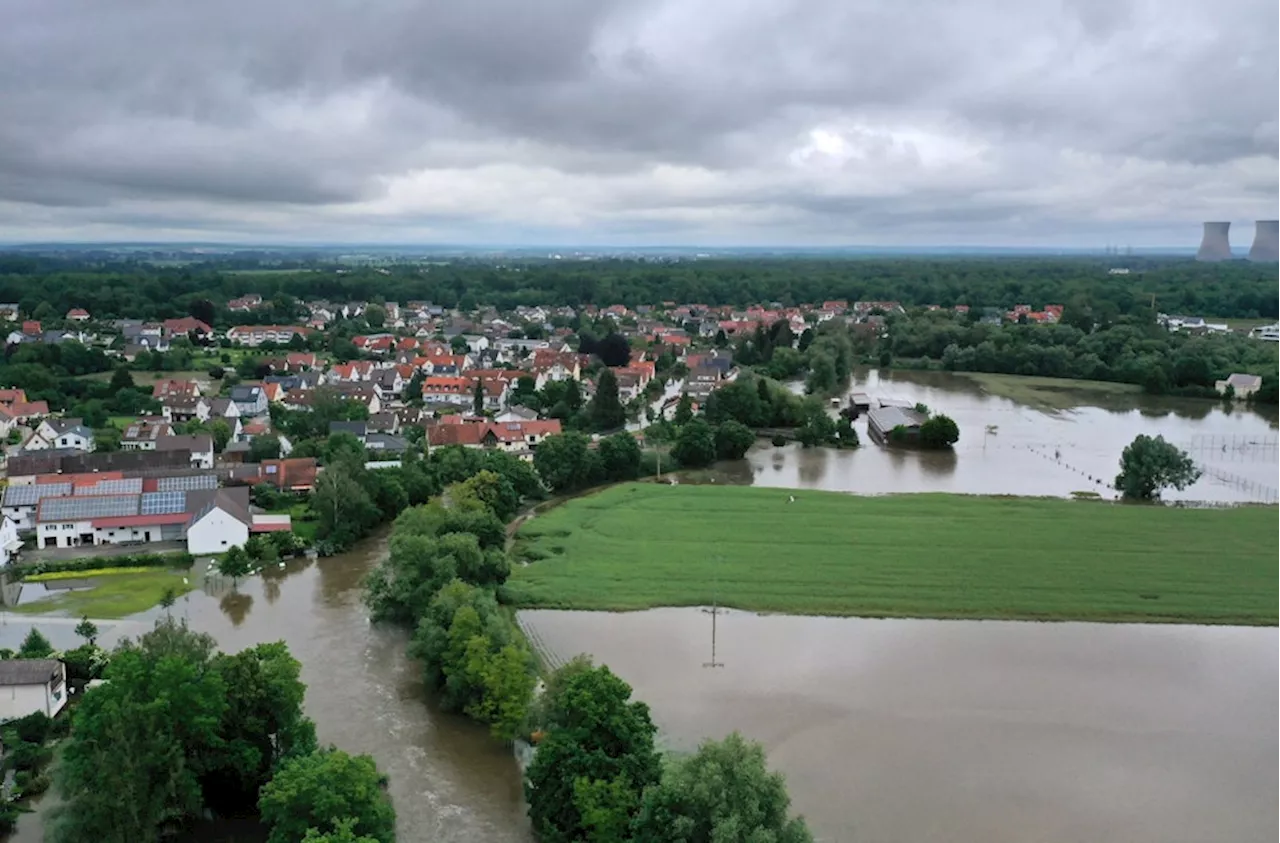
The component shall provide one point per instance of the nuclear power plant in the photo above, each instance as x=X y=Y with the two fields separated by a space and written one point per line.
x=1266 y=242
x=1216 y=245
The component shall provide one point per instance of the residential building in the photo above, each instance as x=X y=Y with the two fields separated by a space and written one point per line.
x=187 y=326
x=183 y=409
x=1241 y=385
x=170 y=388
x=10 y=543
x=60 y=433
x=255 y=335
x=77 y=314
x=250 y=400
x=199 y=445
x=143 y=433
x=519 y=438
x=244 y=304
x=28 y=686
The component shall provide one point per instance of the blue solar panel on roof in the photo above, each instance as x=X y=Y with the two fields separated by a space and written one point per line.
x=187 y=483
x=32 y=494
x=73 y=508
x=163 y=503
x=126 y=486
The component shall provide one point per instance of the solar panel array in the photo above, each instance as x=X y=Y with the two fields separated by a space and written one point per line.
x=127 y=486
x=163 y=503
x=31 y=495
x=89 y=506
x=187 y=484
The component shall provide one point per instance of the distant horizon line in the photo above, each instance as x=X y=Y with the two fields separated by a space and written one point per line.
x=1106 y=250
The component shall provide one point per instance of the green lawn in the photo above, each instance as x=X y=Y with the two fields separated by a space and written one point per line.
x=1052 y=393
x=637 y=546
x=113 y=595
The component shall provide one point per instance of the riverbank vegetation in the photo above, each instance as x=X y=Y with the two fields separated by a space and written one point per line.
x=639 y=546
x=179 y=729
x=595 y=774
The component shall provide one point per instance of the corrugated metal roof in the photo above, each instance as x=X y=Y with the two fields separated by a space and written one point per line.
x=887 y=418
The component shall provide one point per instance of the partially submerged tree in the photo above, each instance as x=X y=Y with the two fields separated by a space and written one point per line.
x=722 y=792
x=1150 y=465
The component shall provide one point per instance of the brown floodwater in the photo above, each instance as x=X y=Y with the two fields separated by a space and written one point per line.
x=1030 y=451
x=450 y=781
x=887 y=730
x=969 y=732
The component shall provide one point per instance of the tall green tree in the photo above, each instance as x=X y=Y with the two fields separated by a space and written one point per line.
x=595 y=761
x=939 y=431
x=321 y=790
x=477 y=400
x=1149 y=465
x=140 y=742
x=733 y=440
x=262 y=725
x=606 y=410
x=35 y=646
x=725 y=792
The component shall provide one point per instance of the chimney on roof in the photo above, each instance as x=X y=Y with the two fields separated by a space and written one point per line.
x=1216 y=244
x=1266 y=242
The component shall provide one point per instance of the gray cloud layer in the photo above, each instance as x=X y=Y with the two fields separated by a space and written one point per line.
x=848 y=121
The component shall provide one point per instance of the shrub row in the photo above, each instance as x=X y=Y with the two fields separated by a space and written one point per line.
x=95 y=563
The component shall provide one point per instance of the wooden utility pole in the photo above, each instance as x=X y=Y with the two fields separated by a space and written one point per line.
x=715 y=613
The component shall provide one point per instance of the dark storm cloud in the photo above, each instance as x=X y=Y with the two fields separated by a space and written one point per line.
x=312 y=116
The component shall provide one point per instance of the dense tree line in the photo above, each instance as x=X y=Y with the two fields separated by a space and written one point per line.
x=179 y=730
x=1129 y=350
x=118 y=288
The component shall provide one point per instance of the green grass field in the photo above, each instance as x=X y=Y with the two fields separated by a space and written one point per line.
x=113 y=595
x=637 y=546
x=1052 y=393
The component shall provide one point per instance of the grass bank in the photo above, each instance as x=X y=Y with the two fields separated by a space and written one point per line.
x=1051 y=393
x=638 y=546
x=113 y=595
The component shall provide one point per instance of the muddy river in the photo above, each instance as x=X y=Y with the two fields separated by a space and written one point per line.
x=887 y=730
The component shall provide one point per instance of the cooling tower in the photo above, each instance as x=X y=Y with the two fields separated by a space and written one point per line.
x=1216 y=245
x=1266 y=242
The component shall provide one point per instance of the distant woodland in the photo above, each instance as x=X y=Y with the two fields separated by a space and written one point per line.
x=116 y=289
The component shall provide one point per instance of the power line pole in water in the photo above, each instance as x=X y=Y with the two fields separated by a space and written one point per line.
x=715 y=613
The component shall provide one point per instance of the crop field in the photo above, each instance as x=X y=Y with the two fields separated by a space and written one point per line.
x=638 y=546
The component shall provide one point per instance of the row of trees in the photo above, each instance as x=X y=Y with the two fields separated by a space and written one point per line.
x=596 y=774
x=180 y=729
x=1129 y=350
x=134 y=289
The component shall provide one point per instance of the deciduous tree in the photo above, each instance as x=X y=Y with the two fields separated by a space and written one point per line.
x=1149 y=465
x=722 y=792
x=319 y=790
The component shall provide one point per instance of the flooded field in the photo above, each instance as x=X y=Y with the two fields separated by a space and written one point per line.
x=1029 y=451
x=969 y=732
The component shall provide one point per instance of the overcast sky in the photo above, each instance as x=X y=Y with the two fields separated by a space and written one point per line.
x=716 y=122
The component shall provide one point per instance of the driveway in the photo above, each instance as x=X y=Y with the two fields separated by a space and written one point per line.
x=54 y=554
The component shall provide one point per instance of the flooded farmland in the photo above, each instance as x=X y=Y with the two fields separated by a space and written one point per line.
x=969 y=732
x=1009 y=448
x=887 y=730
